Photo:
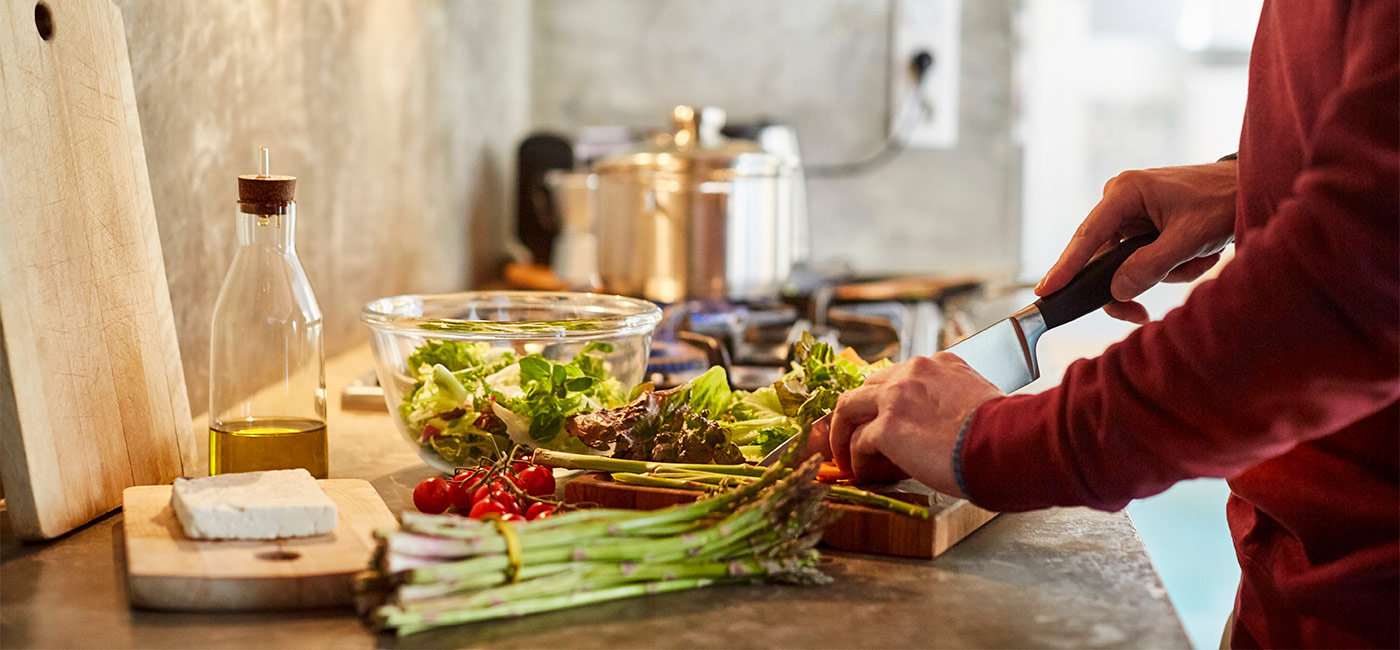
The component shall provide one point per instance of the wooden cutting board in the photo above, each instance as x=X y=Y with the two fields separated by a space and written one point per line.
x=860 y=529
x=93 y=399
x=167 y=570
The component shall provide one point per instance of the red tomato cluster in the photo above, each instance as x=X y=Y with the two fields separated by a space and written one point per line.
x=518 y=493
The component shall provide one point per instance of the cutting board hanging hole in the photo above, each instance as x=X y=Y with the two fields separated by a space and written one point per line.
x=43 y=20
x=278 y=556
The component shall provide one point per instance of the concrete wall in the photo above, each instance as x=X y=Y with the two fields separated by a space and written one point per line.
x=398 y=118
x=821 y=66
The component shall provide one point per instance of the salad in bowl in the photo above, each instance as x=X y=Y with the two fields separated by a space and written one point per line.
x=471 y=375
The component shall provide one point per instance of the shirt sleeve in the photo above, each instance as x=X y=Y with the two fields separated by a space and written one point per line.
x=1297 y=338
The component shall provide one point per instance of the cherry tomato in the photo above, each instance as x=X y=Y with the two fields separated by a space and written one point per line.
x=518 y=466
x=539 y=481
x=432 y=496
x=463 y=487
x=483 y=491
x=507 y=500
x=539 y=511
x=486 y=507
x=510 y=516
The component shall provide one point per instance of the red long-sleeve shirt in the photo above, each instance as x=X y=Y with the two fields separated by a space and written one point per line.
x=1283 y=374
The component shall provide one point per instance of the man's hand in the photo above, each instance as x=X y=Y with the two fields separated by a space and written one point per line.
x=1193 y=207
x=905 y=419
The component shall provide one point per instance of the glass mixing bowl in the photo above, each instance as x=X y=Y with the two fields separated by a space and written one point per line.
x=556 y=325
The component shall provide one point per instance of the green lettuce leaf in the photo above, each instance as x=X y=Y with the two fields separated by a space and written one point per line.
x=754 y=412
x=454 y=355
x=710 y=394
x=770 y=438
x=430 y=399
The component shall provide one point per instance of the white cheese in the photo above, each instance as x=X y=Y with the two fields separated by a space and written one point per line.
x=253 y=505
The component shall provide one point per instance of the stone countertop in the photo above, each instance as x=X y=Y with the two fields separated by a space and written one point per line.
x=1064 y=578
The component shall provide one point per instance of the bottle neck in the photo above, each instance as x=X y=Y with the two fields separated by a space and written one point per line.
x=274 y=232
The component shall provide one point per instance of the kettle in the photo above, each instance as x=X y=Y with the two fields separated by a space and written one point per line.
x=693 y=215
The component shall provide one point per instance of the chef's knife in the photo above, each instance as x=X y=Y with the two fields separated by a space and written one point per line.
x=1005 y=352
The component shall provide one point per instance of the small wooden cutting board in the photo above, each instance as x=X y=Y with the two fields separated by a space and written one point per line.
x=860 y=529
x=167 y=570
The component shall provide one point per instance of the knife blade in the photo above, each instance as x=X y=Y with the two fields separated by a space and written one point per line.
x=1004 y=353
x=781 y=449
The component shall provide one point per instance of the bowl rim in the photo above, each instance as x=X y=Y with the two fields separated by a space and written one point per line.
x=644 y=318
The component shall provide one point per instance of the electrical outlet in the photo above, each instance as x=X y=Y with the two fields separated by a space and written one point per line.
x=930 y=119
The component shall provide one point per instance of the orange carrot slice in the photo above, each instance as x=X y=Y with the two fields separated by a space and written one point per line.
x=849 y=354
x=830 y=473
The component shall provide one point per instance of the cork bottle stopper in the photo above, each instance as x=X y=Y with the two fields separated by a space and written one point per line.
x=263 y=193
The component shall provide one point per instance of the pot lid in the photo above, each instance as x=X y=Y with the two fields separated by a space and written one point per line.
x=696 y=147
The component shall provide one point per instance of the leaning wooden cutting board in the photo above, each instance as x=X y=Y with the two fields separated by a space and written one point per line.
x=860 y=529
x=167 y=570
x=94 y=397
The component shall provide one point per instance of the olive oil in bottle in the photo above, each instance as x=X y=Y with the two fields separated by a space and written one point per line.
x=268 y=443
x=267 y=384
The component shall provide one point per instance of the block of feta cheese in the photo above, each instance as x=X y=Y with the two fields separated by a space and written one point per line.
x=253 y=505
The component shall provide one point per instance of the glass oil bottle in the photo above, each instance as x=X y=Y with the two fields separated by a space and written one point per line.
x=267 y=383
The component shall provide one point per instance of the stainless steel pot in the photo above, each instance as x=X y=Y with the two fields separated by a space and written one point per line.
x=696 y=216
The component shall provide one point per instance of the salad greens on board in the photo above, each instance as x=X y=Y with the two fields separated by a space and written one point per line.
x=760 y=421
x=703 y=421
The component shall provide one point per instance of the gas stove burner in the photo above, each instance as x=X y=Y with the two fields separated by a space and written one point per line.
x=677 y=356
x=672 y=363
x=754 y=341
x=728 y=319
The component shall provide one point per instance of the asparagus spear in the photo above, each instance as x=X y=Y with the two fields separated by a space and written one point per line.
x=603 y=464
x=701 y=481
x=412 y=623
x=633 y=471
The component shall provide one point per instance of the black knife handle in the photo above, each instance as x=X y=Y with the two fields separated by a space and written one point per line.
x=1090 y=289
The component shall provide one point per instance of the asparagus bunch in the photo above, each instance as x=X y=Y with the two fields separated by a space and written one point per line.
x=702 y=477
x=441 y=570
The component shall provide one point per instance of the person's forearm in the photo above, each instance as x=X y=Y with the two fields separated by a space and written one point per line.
x=1297 y=338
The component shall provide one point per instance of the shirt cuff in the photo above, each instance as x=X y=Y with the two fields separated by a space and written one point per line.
x=1004 y=460
x=957 y=451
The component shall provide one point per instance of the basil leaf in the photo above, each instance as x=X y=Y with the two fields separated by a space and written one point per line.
x=580 y=384
x=545 y=426
x=534 y=370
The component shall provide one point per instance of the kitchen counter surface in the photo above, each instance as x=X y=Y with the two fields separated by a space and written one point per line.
x=1065 y=578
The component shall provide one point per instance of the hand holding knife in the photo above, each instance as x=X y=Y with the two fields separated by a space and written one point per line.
x=1003 y=354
